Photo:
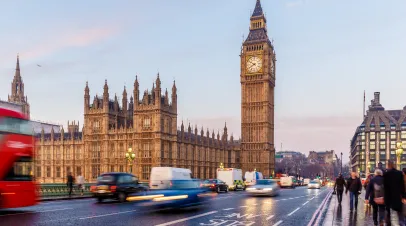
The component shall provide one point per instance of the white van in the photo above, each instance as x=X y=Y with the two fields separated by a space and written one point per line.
x=161 y=177
x=251 y=177
x=288 y=182
x=232 y=177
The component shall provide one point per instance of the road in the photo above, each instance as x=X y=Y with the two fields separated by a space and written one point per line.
x=298 y=206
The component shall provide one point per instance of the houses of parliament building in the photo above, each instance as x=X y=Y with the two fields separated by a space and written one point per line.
x=147 y=123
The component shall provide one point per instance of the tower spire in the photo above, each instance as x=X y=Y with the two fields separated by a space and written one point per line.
x=258 y=9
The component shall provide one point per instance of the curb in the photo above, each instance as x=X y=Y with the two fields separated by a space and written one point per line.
x=64 y=198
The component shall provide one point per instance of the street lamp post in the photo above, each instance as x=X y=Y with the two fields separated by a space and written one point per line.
x=341 y=162
x=130 y=156
x=399 y=152
x=221 y=165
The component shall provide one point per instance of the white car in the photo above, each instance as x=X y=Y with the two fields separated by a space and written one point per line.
x=264 y=187
x=313 y=185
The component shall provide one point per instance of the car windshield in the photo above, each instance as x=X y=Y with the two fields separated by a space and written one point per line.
x=313 y=182
x=210 y=182
x=265 y=182
x=185 y=184
x=105 y=179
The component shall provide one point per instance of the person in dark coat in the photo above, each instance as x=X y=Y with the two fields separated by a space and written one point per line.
x=394 y=191
x=354 y=185
x=69 y=183
x=339 y=187
x=375 y=189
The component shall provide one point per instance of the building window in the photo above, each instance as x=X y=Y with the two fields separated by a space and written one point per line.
x=392 y=127
x=382 y=145
x=403 y=134
x=68 y=170
x=393 y=145
x=38 y=171
x=58 y=171
x=382 y=136
x=68 y=153
x=146 y=170
x=393 y=135
x=363 y=145
x=95 y=171
x=78 y=154
x=96 y=125
x=121 y=168
x=111 y=168
x=147 y=123
x=58 y=153
x=372 y=136
x=79 y=170
x=48 y=153
x=363 y=136
x=372 y=145
x=48 y=171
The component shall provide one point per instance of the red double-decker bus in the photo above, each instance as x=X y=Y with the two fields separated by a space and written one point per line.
x=17 y=185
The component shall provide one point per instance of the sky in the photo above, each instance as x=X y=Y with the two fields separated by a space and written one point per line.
x=328 y=53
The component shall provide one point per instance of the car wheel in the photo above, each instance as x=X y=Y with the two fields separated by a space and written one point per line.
x=99 y=199
x=226 y=189
x=218 y=189
x=122 y=197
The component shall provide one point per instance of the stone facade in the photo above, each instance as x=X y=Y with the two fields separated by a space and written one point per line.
x=257 y=92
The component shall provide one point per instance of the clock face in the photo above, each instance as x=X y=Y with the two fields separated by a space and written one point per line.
x=254 y=64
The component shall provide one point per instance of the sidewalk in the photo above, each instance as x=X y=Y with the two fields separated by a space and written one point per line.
x=340 y=215
x=54 y=198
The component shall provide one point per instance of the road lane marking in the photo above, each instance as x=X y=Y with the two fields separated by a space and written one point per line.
x=32 y=212
x=228 y=209
x=278 y=223
x=322 y=208
x=318 y=209
x=186 y=219
x=104 y=215
x=270 y=217
x=305 y=203
x=293 y=211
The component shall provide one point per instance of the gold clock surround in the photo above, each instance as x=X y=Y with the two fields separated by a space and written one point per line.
x=254 y=59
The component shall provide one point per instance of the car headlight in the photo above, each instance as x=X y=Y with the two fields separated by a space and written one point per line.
x=250 y=189
x=268 y=189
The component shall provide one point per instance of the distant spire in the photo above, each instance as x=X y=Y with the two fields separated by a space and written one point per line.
x=258 y=9
x=17 y=74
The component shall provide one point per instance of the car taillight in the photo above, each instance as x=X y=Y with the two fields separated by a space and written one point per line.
x=212 y=185
x=92 y=188
x=113 y=188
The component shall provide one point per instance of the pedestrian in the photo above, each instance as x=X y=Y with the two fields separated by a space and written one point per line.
x=375 y=196
x=394 y=187
x=339 y=187
x=69 y=183
x=354 y=186
x=81 y=182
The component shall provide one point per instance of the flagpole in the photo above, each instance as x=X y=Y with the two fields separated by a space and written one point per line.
x=363 y=110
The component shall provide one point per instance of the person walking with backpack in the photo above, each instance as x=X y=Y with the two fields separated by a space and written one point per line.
x=354 y=186
x=339 y=187
x=394 y=192
x=375 y=196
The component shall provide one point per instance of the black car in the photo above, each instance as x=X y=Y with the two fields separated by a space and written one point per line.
x=216 y=185
x=116 y=186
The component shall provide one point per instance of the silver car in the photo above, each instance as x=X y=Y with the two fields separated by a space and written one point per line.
x=264 y=187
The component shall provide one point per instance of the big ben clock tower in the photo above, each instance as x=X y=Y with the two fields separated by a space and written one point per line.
x=257 y=97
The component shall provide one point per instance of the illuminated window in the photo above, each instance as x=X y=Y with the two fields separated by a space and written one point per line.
x=393 y=144
x=372 y=136
x=393 y=135
x=372 y=145
x=363 y=136
x=382 y=145
x=48 y=171
x=403 y=134
x=382 y=135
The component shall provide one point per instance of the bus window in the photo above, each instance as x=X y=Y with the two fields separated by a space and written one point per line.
x=21 y=170
x=16 y=126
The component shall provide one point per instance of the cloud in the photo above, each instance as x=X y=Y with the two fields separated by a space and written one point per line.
x=70 y=39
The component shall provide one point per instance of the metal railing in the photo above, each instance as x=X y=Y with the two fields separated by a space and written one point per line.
x=61 y=189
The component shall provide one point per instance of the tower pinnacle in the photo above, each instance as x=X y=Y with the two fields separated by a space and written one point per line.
x=258 y=9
